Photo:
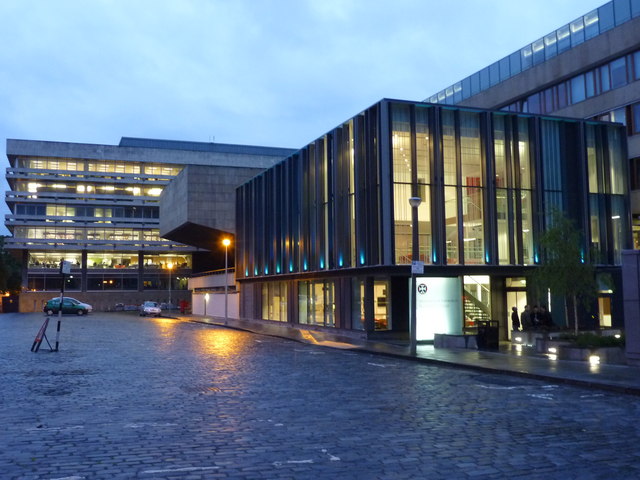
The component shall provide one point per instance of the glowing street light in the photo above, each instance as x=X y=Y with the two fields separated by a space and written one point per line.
x=206 y=300
x=226 y=242
x=169 y=266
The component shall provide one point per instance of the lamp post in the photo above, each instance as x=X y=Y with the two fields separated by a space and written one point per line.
x=169 y=266
x=226 y=242
x=415 y=265
x=206 y=300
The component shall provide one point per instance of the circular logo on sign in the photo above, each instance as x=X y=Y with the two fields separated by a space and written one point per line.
x=422 y=288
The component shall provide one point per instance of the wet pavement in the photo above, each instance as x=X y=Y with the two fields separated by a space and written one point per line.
x=157 y=398
x=508 y=360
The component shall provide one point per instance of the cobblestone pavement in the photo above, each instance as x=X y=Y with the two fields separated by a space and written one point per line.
x=129 y=397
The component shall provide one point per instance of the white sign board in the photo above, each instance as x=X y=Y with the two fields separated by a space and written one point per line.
x=65 y=267
x=438 y=306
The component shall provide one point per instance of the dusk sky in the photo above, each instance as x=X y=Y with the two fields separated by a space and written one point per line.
x=258 y=72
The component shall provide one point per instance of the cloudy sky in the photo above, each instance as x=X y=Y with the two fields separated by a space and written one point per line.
x=260 y=72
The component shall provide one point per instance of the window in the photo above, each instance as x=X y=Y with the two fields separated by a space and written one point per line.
x=550 y=45
x=316 y=303
x=636 y=65
x=564 y=38
x=605 y=82
x=618 y=72
x=591 y=27
x=590 y=83
x=274 y=301
x=605 y=17
x=577 y=89
x=526 y=55
x=538 y=51
x=635 y=116
x=622 y=11
x=577 y=32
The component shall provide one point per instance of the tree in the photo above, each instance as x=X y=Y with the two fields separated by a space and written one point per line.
x=564 y=270
x=10 y=271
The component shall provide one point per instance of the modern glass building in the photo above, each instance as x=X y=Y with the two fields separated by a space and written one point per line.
x=324 y=238
x=588 y=68
x=97 y=206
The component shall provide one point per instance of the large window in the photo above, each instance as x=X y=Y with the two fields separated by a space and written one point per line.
x=51 y=259
x=166 y=261
x=450 y=166
x=472 y=191
x=404 y=164
x=274 y=301
x=316 y=303
x=52 y=283
x=111 y=282
x=120 y=260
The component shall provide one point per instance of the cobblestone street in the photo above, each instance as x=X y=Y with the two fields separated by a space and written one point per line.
x=129 y=397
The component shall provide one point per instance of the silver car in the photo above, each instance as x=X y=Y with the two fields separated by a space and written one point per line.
x=150 y=308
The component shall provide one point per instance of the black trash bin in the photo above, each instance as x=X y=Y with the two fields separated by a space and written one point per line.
x=488 y=333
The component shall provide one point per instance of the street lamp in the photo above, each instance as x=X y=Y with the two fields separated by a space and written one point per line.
x=415 y=265
x=206 y=300
x=226 y=242
x=169 y=266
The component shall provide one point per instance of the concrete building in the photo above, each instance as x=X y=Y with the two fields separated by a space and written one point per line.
x=329 y=239
x=589 y=68
x=98 y=207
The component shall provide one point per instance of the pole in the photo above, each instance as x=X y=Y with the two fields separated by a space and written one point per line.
x=170 y=266
x=62 y=271
x=226 y=276
x=415 y=254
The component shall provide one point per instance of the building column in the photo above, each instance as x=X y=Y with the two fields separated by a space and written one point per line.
x=140 y=271
x=83 y=272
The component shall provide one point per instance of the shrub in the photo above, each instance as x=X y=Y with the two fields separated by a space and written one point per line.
x=590 y=340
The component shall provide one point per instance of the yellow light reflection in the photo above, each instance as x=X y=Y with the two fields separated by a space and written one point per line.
x=167 y=326
x=221 y=342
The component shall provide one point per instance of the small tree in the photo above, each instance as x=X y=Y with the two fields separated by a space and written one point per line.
x=10 y=271
x=564 y=270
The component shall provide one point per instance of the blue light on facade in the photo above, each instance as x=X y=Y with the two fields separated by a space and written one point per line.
x=340 y=261
x=322 y=263
x=361 y=258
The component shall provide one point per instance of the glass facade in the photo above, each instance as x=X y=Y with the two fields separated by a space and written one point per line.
x=588 y=26
x=488 y=182
x=99 y=215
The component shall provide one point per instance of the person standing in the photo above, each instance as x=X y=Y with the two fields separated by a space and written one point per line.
x=515 y=320
x=526 y=318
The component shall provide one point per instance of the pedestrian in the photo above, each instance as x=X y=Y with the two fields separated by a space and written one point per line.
x=526 y=318
x=545 y=318
x=515 y=320
x=535 y=318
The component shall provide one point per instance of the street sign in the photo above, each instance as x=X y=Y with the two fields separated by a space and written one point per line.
x=417 y=267
x=65 y=267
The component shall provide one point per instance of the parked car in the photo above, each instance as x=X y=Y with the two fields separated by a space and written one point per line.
x=150 y=308
x=69 y=305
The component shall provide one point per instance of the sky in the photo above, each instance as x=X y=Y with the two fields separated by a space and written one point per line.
x=258 y=72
